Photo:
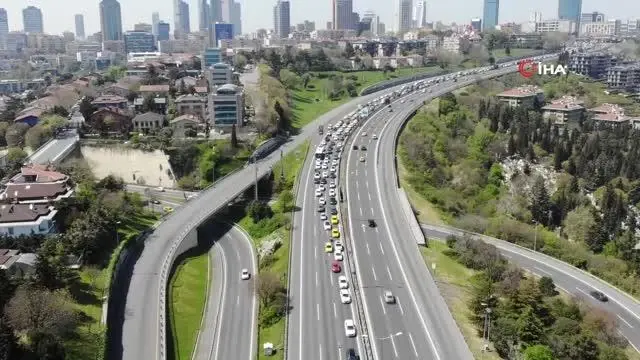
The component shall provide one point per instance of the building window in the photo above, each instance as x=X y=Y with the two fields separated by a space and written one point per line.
x=10 y=231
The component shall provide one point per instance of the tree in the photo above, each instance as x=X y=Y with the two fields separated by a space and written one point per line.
x=530 y=328
x=51 y=271
x=8 y=340
x=36 y=136
x=35 y=311
x=348 y=50
x=538 y=352
x=7 y=288
x=286 y=199
x=306 y=77
x=540 y=204
x=289 y=79
x=234 y=136
x=15 y=134
x=15 y=157
x=47 y=346
x=578 y=222
x=268 y=285
x=149 y=103
x=547 y=287
x=507 y=50
x=239 y=61
x=86 y=107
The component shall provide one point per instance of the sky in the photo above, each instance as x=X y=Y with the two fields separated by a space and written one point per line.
x=59 y=15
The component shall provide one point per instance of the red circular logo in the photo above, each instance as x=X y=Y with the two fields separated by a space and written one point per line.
x=527 y=68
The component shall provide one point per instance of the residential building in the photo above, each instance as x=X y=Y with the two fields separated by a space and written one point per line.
x=405 y=16
x=138 y=42
x=158 y=106
x=147 y=121
x=110 y=101
x=420 y=17
x=4 y=29
x=203 y=15
x=594 y=65
x=110 y=20
x=110 y=119
x=144 y=27
x=524 y=96
x=564 y=111
x=210 y=57
x=226 y=106
x=191 y=104
x=555 y=25
x=79 y=18
x=32 y=20
x=184 y=124
x=146 y=90
x=30 y=116
x=18 y=265
x=591 y=17
x=611 y=115
x=26 y=219
x=490 y=14
x=608 y=28
x=451 y=43
x=570 y=10
x=219 y=74
x=37 y=184
x=476 y=24
x=164 y=29
x=282 y=19
x=624 y=77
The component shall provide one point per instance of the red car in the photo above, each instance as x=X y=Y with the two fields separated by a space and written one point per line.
x=335 y=267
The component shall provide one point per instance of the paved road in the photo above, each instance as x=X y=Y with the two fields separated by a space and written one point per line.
x=141 y=323
x=229 y=328
x=566 y=277
x=51 y=151
x=169 y=197
x=388 y=258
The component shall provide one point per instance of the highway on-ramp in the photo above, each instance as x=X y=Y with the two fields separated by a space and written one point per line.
x=229 y=325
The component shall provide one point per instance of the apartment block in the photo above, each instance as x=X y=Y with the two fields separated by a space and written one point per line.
x=624 y=77
x=524 y=96
x=594 y=65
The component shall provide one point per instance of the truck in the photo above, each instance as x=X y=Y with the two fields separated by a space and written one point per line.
x=320 y=129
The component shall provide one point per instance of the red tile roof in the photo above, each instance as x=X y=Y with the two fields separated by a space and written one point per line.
x=108 y=99
x=12 y=213
x=35 y=191
x=608 y=108
x=42 y=173
x=154 y=88
x=565 y=103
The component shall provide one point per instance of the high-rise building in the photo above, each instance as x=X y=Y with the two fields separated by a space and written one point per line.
x=215 y=13
x=490 y=14
x=236 y=18
x=79 y=18
x=570 y=10
x=155 y=20
x=226 y=7
x=476 y=24
x=203 y=15
x=343 y=14
x=139 y=41
x=420 y=15
x=4 y=29
x=32 y=20
x=282 y=19
x=591 y=17
x=184 y=17
x=143 y=27
x=404 y=15
x=373 y=20
x=164 y=31
x=110 y=20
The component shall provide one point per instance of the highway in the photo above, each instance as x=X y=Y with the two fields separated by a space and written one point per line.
x=139 y=327
x=229 y=326
x=566 y=277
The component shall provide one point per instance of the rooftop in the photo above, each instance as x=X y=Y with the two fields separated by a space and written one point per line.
x=149 y=116
x=28 y=112
x=607 y=108
x=226 y=88
x=12 y=213
x=190 y=98
x=108 y=99
x=34 y=173
x=522 y=91
x=186 y=117
x=565 y=103
x=154 y=88
x=35 y=191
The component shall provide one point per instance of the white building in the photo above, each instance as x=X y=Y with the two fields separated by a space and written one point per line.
x=219 y=74
x=420 y=14
x=563 y=26
x=608 y=28
x=26 y=219
x=451 y=43
x=226 y=106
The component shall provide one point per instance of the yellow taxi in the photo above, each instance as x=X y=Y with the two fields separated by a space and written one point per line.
x=335 y=233
x=328 y=247
x=334 y=219
x=168 y=209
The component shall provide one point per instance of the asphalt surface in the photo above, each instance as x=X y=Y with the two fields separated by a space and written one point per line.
x=137 y=334
x=168 y=197
x=316 y=320
x=419 y=325
x=51 y=151
x=229 y=326
x=567 y=278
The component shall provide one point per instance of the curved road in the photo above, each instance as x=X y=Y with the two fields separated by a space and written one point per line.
x=229 y=325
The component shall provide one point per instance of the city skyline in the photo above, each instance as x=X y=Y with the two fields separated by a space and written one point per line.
x=57 y=20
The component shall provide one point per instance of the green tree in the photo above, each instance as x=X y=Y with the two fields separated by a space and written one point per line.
x=15 y=157
x=47 y=346
x=286 y=198
x=15 y=134
x=306 y=77
x=8 y=340
x=239 y=61
x=36 y=136
x=578 y=222
x=51 y=271
x=547 y=287
x=540 y=204
x=538 y=352
x=289 y=79
x=348 y=50
x=149 y=103
x=530 y=328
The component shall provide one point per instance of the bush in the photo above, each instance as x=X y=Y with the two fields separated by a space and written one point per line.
x=451 y=241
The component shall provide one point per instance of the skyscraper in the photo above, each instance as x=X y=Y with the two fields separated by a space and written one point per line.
x=164 y=29
x=155 y=20
x=226 y=9
x=79 y=26
x=420 y=14
x=490 y=14
x=203 y=15
x=184 y=17
x=110 y=20
x=405 y=16
x=570 y=10
x=236 y=18
x=32 y=20
x=4 y=29
x=281 y=19
x=343 y=15
x=373 y=20
x=215 y=13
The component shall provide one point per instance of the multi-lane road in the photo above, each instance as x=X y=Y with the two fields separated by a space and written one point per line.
x=228 y=329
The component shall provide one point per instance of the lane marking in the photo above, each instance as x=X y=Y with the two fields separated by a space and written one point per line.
x=335 y=313
x=302 y=268
x=315 y=253
x=413 y=345
x=393 y=343
x=582 y=291
x=358 y=196
x=367 y=184
x=389 y=273
x=224 y=295
x=542 y=271
x=629 y=341
x=316 y=279
x=320 y=351
x=624 y=321
x=400 y=306
x=331 y=277
x=374 y=274
x=238 y=300
x=384 y=310
x=368 y=251
x=318 y=311
x=381 y=249
x=360 y=211
x=369 y=196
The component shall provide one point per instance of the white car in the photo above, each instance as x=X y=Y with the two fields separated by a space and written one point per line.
x=334 y=162
x=316 y=176
x=343 y=282
x=338 y=246
x=332 y=186
x=332 y=191
x=374 y=137
x=345 y=296
x=362 y=159
x=318 y=193
x=318 y=166
x=245 y=274
x=325 y=174
x=325 y=166
x=364 y=134
x=322 y=188
x=333 y=169
x=327 y=225
x=349 y=328
x=323 y=216
x=160 y=188
x=322 y=201
x=338 y=255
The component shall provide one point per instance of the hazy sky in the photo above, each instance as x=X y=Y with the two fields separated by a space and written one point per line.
x=58 y=15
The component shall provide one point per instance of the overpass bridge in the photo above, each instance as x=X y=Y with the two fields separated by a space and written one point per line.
x=56 y=149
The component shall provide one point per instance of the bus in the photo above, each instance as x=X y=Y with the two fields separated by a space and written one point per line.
x=320 y=152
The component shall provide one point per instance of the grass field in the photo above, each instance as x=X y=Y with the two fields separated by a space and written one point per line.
x=187 y=297
x=453 y=281
x=88 y=339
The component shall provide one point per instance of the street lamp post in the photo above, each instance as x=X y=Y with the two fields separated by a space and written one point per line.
x=117 y=234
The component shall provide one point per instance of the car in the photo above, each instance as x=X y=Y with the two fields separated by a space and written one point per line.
x=390 y=110
x=328 y=247
x=389 y=298
x=334 y=162
x=351 y=355
x=321 y=208
x=325 y=174
x=343 y=283
x=374 y=137
x=333 y=169
x=349 y=328
x=318 y=193
x=316 y=176
x=325 y=166
x=323 y=181
x=322 y=201
x=333 y=201
x=318 y=166
x=160 y=189
x=334 y=219
x=332 y=185
x=363 y=148
x=334 y=211
x=167 y=209
x=335 y=233
x=355 y=147
x=335 y=267
x=338 y=245
x=372 y=223
x=327 y=225
x=598 y=295
x=155 y=201
x=332 y=192
x=323 y=216
x=333 y=175
x=321 y=188
x=364 y=134
x=402 y=101
x=245 y=275
x=361 y=158
x=345 y=296
x=337 y=256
